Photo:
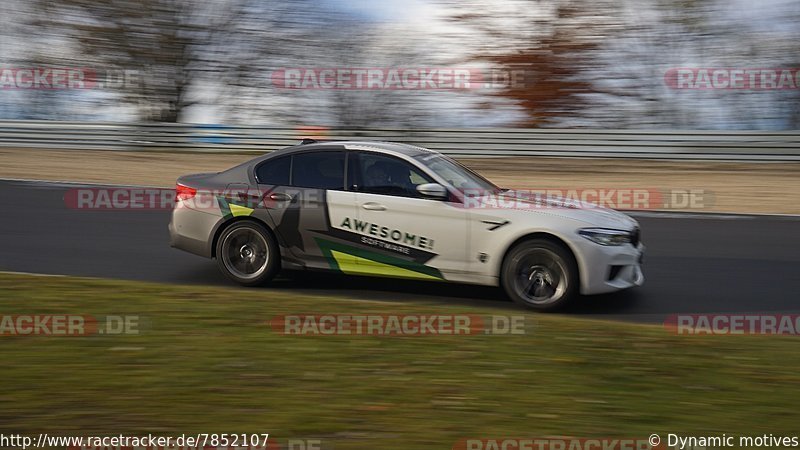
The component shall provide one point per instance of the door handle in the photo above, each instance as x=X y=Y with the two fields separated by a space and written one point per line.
x=280 y=197
x=372 y=206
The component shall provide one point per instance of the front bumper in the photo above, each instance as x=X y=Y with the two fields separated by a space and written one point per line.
x=610 y=268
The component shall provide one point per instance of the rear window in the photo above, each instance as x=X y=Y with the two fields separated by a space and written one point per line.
x=320 y=170
x=275 y=172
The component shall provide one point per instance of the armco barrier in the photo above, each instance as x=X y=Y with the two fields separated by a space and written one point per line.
x=478 y=142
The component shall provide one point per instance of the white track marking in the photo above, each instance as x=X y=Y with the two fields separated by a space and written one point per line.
x=32 y=274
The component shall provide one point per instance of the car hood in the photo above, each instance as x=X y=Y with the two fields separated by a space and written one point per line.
x=511 y=203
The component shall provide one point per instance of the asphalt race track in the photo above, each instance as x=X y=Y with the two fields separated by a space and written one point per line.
x=694 y=264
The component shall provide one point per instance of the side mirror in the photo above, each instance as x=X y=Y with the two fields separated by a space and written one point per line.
x=432 y=190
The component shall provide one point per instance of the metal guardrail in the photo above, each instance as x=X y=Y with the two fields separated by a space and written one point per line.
x=479 y=142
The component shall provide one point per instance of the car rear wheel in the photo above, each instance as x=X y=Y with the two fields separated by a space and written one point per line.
x=540 y=274
x=247 y=253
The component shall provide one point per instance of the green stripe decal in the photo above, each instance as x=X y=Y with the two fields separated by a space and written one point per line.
x=354 y=260
x=229 y=209
x=237 y=210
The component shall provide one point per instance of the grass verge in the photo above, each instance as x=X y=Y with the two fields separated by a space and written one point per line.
x=206 y=361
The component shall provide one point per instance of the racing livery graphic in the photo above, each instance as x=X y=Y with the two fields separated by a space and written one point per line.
x=395 y=210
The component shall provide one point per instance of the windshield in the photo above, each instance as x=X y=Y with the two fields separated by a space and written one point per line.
x=457 y=175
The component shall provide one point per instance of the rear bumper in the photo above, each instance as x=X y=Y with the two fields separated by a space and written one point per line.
x=192 y=230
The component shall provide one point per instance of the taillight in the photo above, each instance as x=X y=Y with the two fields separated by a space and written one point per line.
x=184 y=192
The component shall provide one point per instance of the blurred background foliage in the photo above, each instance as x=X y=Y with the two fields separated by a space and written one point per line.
x=586 y=63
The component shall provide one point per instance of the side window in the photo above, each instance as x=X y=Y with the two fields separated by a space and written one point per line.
x=381 y=174
x=320 y=170
x=275 y=172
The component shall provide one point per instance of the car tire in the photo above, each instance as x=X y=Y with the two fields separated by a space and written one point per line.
x=247 y=253
x=540 y=274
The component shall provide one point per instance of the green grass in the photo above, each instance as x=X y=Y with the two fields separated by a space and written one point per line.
x=207 y=361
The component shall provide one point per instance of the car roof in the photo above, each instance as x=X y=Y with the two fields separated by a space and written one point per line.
x=404 y=149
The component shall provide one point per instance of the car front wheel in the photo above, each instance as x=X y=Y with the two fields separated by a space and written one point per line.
x=247 y=253
x=540 y=274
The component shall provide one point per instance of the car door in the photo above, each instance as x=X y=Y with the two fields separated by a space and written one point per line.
x=303 y=194
x=405 y=235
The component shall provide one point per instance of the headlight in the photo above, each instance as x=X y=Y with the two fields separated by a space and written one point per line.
x=604 y=236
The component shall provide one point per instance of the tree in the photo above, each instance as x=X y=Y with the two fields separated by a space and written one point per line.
x=170 y=44
x=549 y=43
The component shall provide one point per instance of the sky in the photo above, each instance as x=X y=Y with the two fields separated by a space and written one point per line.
x=444 y=42
x=386 y=10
